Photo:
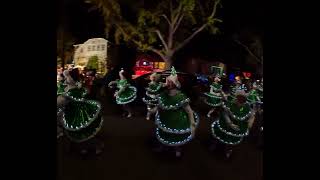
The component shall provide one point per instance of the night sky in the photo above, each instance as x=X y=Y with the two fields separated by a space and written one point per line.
x=236 y=16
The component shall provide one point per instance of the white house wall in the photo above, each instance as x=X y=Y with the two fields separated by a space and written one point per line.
x=90 y=48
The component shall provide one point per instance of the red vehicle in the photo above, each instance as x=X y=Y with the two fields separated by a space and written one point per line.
x=146 y=64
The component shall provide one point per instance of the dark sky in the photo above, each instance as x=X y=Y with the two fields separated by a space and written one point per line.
x=81 y=23
x=236 y=15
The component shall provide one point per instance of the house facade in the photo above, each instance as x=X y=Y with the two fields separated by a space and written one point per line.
x=92 y=47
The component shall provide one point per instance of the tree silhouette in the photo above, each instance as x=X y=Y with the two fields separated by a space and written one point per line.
x=163 y=27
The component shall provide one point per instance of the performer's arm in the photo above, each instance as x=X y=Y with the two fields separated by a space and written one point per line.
x=251 y=120
x=189 y=111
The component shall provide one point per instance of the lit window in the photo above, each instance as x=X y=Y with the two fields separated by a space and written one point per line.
x=162 y=65
x=156 y=65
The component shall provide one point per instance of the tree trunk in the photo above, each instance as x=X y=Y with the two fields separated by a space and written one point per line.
x=168 y=64
x=168 y=61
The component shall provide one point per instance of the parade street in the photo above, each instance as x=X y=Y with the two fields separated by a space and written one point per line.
x=128 y=155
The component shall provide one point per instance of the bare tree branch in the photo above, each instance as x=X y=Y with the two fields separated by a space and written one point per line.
x=177 y=25
x=214 y=8
x=163 y=15
x=175 y=18
x=201 y=28
x=157 y=52
x=201 y=9
x=249 y=51
x=162 y=40
x=191 y=37
x=171 y=11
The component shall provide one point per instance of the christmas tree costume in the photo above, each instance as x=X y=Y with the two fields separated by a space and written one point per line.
x=152 y=93
x=214 y=99
x=80 y=117
x=238 y=115
x=172 y=119
x=128 y=95
x=173 y=125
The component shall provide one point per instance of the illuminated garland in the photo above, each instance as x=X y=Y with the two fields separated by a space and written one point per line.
x=214 y=105
x=216 y=89
x=234 y=116
x=132 y=97
x=152 y=95
x=89 y=137
x=223 y=141
x=150 y=102
x=172 y=107
x=126 y=102
x=179 y=143
x=213 y=95
x=87 y=123
x=69 y=95
x=154 y=90
x=229 y=133
x=175 y=131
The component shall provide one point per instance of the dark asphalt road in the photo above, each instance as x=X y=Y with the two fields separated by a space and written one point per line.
x=127 y=155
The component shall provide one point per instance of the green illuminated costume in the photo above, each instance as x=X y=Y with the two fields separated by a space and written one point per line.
x=80 y=117
x=60 y=88
x=128 y=95
x=239 y=116
x=173 y=124
x=152 y=93
x=253 y=97
x=214 y=99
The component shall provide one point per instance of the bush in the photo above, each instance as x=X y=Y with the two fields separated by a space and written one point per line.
x=93 y=62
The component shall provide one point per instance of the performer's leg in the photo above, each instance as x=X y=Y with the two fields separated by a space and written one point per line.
x=210 y=112
x=228 y=151
x=213 y=144
x=178 y=151
x=148 y=112
x=128 y=109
